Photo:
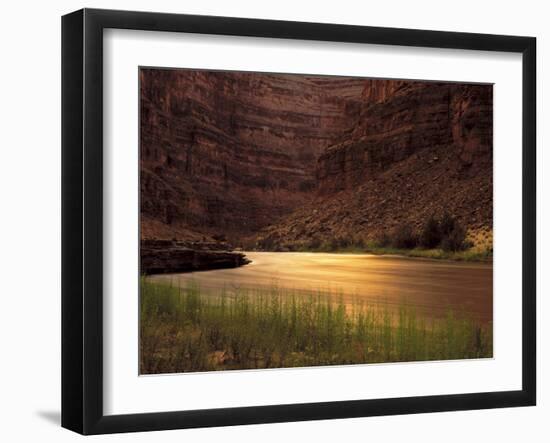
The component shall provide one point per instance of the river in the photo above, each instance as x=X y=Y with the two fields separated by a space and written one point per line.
x=431 y=286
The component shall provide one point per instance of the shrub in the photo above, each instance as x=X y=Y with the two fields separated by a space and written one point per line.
x=446 y=233
x=315 y=243
x=344 y=243
x=447 y=224
x=455 y=240
x=382 y=240
x=431 y=234
x=359 y=243
x=404 y=237
x=266 y=243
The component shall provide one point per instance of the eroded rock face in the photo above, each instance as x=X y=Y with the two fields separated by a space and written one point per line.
x=417 y=149
x=232 y=152
x=300 y=159
x=398 y=119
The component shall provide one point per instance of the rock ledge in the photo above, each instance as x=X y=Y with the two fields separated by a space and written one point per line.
x=167 y=256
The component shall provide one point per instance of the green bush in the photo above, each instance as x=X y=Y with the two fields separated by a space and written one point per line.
x=314 y=243
x=404 y=237
x=334 y=244
x=447 y=224
x=445 y=233
x=455 y=240
x=359 y=243
x=382 y=240
x=266 y=243
x=431 y=234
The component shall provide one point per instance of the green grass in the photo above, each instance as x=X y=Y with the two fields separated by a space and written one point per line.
x=187 y=330
x=474 y=254
x=471 y=255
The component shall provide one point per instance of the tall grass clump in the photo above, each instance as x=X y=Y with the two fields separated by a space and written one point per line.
x=187 y=329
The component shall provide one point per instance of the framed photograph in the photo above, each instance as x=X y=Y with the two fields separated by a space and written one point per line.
x=269 y=221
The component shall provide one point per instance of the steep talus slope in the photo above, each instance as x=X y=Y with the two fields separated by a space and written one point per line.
x=418 y=149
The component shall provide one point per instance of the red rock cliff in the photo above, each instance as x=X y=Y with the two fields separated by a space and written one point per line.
x=304 y=158
x=416 y=149
x=398 y=118
x=228 y=153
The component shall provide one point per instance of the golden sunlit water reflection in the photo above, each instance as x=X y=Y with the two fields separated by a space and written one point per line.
x=432 y=287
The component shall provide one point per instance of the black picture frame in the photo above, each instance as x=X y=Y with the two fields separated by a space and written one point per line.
x=82 y=219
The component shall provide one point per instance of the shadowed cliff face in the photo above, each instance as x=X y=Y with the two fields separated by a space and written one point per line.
x=228 y=153
x=398 y=119
x=291 y=158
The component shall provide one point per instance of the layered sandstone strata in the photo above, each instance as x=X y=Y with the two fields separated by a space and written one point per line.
x=417 y=149
x=398 y=119
x=167 y=256
x=229 y=153
x=295 y=160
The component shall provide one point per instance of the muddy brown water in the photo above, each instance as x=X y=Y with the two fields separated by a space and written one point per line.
x=431 y=286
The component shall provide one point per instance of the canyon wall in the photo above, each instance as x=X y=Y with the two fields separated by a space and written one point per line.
x=225 y=153
x=417 y=149
x=400 y=118
x=291 y=160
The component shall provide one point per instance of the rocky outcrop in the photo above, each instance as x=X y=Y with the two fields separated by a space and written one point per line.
x=166 y=256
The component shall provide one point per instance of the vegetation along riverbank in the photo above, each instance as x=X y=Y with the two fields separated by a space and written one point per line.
x=439 y=238
x=187 y=330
